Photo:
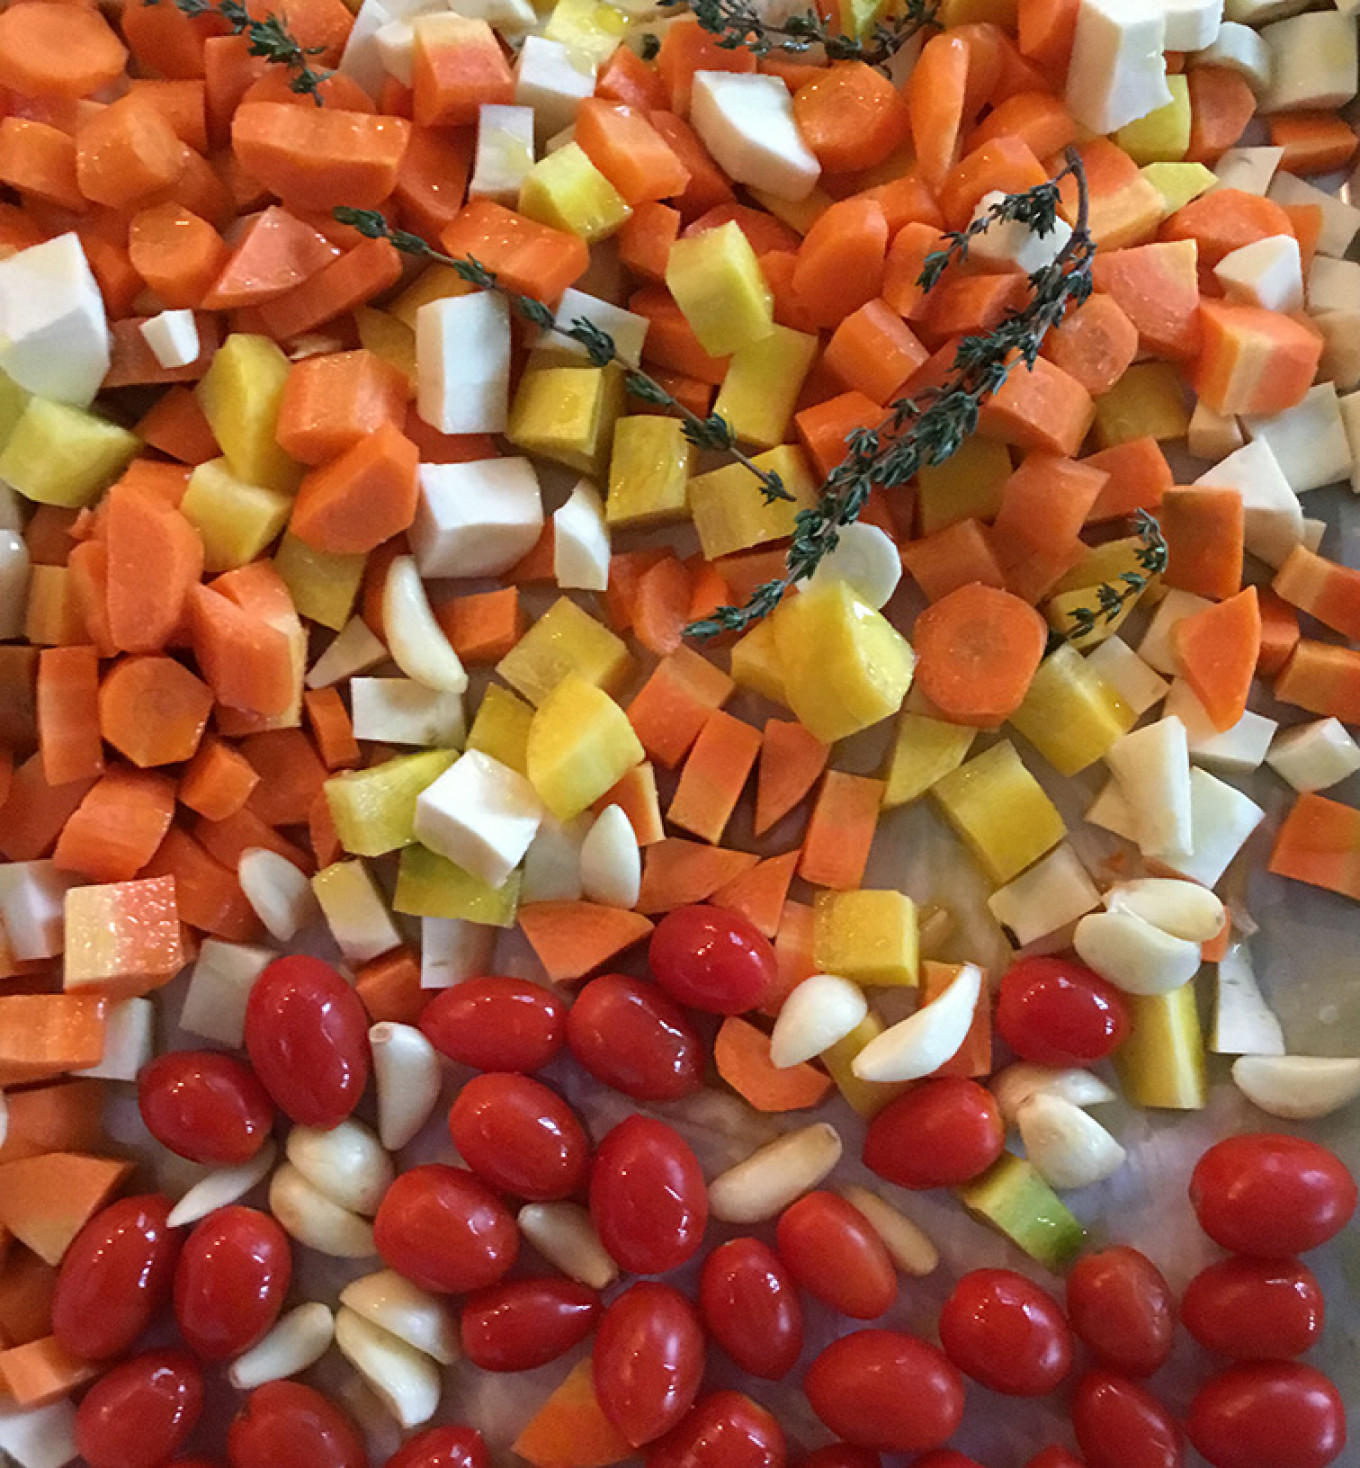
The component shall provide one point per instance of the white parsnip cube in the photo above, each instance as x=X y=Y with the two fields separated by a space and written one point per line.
x=1213 y=435
x=1314 y=62
x=1116 y=73
x=476 y=519
x=1136 y=681
x=1192 y=25
x=1340 y=220
x=1221 y=819
x=1152 y=766
x=1112 y=812
x=1011 y=244
x=1051 y=894
x=581 y=545
x=453 y=949
x=129 y=1041
x=1350 y=418
x=463 y=363
x=1308 y=440
x=1333 y=285
x=1266 y=273
x=402 y=711
x=362 y=59
x=552 y=865
x=504 y=153
x=353 y=649
x=1241 y=748
x=481 y=815
x=746 y=123
x=39 y=1437
x=1314 y=756
x=215 y=1002
x=32 y=907
x=172 y=337
x=552 y=82
x=1248 y=170
x=54 y=334
x=395 y=43
x=627 y=328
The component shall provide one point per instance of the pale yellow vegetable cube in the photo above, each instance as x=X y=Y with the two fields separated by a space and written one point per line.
x=435 y=283
x=1000 y=811
x=1163 y=135
x=374 y=810
x=580 y=746
x=501 y=727
x=565 y=639
x=866 y=1097
x=1179 y=183
x=966 y=486
x=241 y=396
x=925 y=750
x=648 y=471
x=237 y=520
x=869 y=937
x=721 y=290
x=429 y=885
x=567 y=191
x=388 y=338
x=1148 y=401
x=59 y=455
x=729 y=508
x=755 y=664
x=567 y=414
x=1071 y=715
x=323 y=584
x=1162 y=1063
x=762 y=385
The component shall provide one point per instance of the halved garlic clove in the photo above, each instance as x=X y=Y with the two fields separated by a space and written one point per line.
x=1297 y=1087
x=407 y=1078
x=414 y=638
x=1182 y=908
x=405 y=1380
x=1014 y=1086
x=1068 y=1148
x=818 y=1013
x=305 y=1212
x=1133 y=955
x=611 y=864
x=907 y=1243
x=298 y=1340
x=221 y=1186
x=563 y=1233
x=773 y=1176
x=924 y=1041
x=346 y=1163
x=390 y=1301
x=280 y=894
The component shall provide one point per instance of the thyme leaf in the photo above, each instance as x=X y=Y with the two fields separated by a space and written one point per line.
x=269 y=38
x=1111 y=599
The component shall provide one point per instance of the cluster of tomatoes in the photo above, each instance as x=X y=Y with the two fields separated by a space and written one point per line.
x=451 y=1230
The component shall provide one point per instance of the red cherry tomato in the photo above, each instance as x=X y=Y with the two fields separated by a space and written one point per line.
x=443 y=1447
x=287 y=1425
x=1268 y=1414
x=114 y=1277
x=831 y=1249
x=635 y=1037
x=138 y=1414
x=307 y=1036
x=945 y=1458
x=496 y=1024
x=648 y=1199
x=527 y=1322
x=445 y=1230
x=1056 y=1011
x=841 y=1455
x=520 y=1137
x=1271 y=1195
x=751 y=1308
x=939 y=1134
x=648 y=1361
x=1007 y=1333
x=1121 y=1309
x=1055 y=1458
x=205 y=1106
x=712 y=960
x=1266 y=1309
x=232 y=1275
x=1120 y=1424
x=887 y=1391
x=722 y=1430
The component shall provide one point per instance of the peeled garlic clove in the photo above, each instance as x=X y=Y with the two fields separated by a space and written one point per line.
x=407 y=1077
x=611 y=864
x=221 y=1186
x=924 y=1041
x=775 y=1175
x=280 y=894
x=306 y=1213
x=346 y=1163
x=1014 y=1086
x=867 y=561
x=392 y=1302
x=1297 y=1087
x=820 y=1011
x=1068 y=1148
x=565 y=1236
x=404 y=1380
x=1133 y=955
x=299 y=1340
x=907 y=1243
x=1183 y=909
x=414 y=638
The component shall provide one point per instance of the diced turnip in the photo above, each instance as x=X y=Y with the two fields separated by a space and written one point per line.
x=1340 y=221
x=504 y=153
x=353 y=649
x=1350 y=418
x=1266 y=273
x=1134 y=679
x=865 y=558
x=1249 y=170
x=32 y=905
x=1244 y=1024
x=627 y=329
x=54 y=334
x=15 y=571
x=129 y=1041
x=1239 y=48
x=560 y=140
x=1152 y=766
x=1051 y=894
x=581 y=541
x=476 y=519
x=1314 y=62
x=553 y=82
x=1213 y=435
x=481 y=815
x=552 y=865
x=1308 y=440
x=402 y=711
x=1175 y=606
x=1192 y=25
x=355 y=911
x=746 y=123
x=362 y=59
x=39 y=1437
x=1117 y=74
x=463 y=363
x=1221 y=819
x=1274 y=518
x=1333 y=285
x=1314 y=756
x=172 y=337
x=1241 y=748
x=452 y=950
x=1010 y=244
x=215 y=1002
x=1112 y=812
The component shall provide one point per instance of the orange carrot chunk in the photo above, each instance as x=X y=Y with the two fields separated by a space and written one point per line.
x=791 y=761
x=119 y=825
x=678 y=873
x=57 y=49
x=1322 y=588
x=68 y=714
x=1204 y=530
x=841 y=830
x=674 y=704
x=1319 y=843
x=741 y=1053
x=572 y=939
x=153 y=710
x=1252 y=360
x=362 y=498
x=760 y=894
x=142 y=531
x=312 y=156
x=1216 y=650
x=977 y=651
x=714 y=776
x=851 y=116
x=841 y=260
x=935 y=99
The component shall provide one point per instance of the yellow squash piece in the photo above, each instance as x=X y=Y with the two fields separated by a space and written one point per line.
x=501 y=727
x=566 y=190
x=567 y=414
x=1179 y=183
x=580 y=746
x=429 y=885
x=1163 y=135
x=565 y=639
x=1148 y=401
x=324 y=585
x=237 y=520
x=1000 y=812
x=374 y=810
x=59 y=455
x=590 y=30
x=869 y=937
x=924 y=751
x=648 y=471
x=388 y=338
x=1071 y=715
x=729 y=508
x=240 y=397
x=1162 y=1062
x=763 y=381
x=721 y=290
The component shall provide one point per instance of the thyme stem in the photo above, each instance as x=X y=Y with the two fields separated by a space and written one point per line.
x=269 y=38
x=1111 y=599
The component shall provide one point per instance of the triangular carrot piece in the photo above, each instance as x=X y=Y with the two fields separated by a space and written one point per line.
x=790 y=762
x=1216 y=650
x=572 y=939
x=742 y=1054
x=46 y=1201
x=570 y=1429
x=677 y=873
x=758 y=895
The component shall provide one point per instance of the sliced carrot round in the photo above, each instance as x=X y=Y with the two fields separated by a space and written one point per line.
x=61 y=49
x=851 y=116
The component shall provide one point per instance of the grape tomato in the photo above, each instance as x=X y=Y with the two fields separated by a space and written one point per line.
x=648 y=1361
x=1055 y=1458
x=634 y=1037
x=207 y=1107
x=496 y=1024
x=519 y=1136
x=140 y=1412
x=445 y=1230
x=1254 y=1308
x=452 y=1446
x=750 y=1305
x=1056 y=1011
x=722 y=1430
x=648 y=1198
x=230 y=1281
x=840 y=1455
x=285 y=1424
x=945 y=1458
x=1006 y=1333
x=1268 y=1414
x=1120 y=1424
x=938 y=1134
x=526 y=1323
x=833 y=1251
x=712 y=960
x=1121 y=1309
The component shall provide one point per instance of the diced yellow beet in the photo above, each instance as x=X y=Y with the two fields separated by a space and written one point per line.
x=374 y=810
x=869 y=937
x=1162 y=1064
x=236 y=520
x=866 y=1097
x=501 y=727
x=567 y=414
x=59 y=455
x=565 y=639
x=386 y=337
x=1148 y=401
x=648 y=471
x=429 y=885
x=1000 y=811
x=1162 y=135
x=721 y=290
x=122 y=938
x=755 y=664
x=355 y=910
x=729 y=508
x=763 y=381
x=925 y=750
x=1071 y=715
x=323 y=585
x=580 y=745
x=1064 y=610
x=567 y=191
x=240 y=396
x=1179 y=183
x=966 y=486
x=435 y=283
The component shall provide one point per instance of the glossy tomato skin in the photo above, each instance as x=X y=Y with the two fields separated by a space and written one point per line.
x=1254 y=1309
x=945 y=1458
x=750 y=1305
x=648 y=1199
x=712 y=960
x=939 y=1134
x=1268 y=1414
x=287 y=1425
x=1121 y=1309
x=445 y=1230
x=1055 y=1458
x=648 y=1361
x=307 y=1037
x=527 y=1322
x=1004 y=1331
x=1120 y=1424
x=115 y=1275
x=634 y=1037
x=207 y=1107
x=520 y=1137
x=1271 y=1195
x=1056 y=1011
x=232 y=1275
x=831 y=1249
x=887 y=1391
x=840 y=1455
x=443 y=1447
x=496 y=1024
x=722 y=1430
x=138 y=1414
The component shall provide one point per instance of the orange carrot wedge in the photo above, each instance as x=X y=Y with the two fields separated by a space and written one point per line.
x=65 y=1117
x=1216 y=650
x=678 y=873
x=714 y=776
x=143 y=531
x=841 y=830
x=68 y=714
x=570 y=1429
x=791 y=761
x=636 y=796
x=741 y=1053
x=674 y=704
x=116 y=829
x=1279 y=633
x=1204 y=529
x=760 y=894
x=1323 y=678
x=41 y=1372
x=1319 y=843
x=1322 y=588
x=935 y=93
x=573 y=939
x=46 y=1201
x=43 y=1036
x=977 y=651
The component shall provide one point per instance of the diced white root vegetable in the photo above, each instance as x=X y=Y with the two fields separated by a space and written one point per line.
x=354 y=649
x=773 y=1176
x=908 y=1245
x=481 y=815
x=1239 y=48
x=1314 y=61
x=40 y=1437
x=416 y=640
x=552 y=864
x=510 y=17
x=1244 y=1024
x=1116 y=73
x=1266 y=273
x=566 y=1238
x=463 y=363
x=1350 y=417
x=1183 y=909
x=396 y=46
x=303 y=1211
x=1192 y=25
x=172 y=337
x=221 y=1186
x=1134 y=679
x=32 y=906
x=1340 y=361
x=215 y=1002
x=405 y=1380
x=1133 y=955
x=924 y=1041
x=361 y=60
x=402 y=711
x=581 y=546
x=820 y=1011
x=280 y=895
x=15 y=574
x=1155 y=648
x=406 y=1077
x=54 y=335
x=129 y=1041
x=1340 y=221
x=746 y=123
x=346 y=1163
x=1314 y=756
x=504 y=154
x=392 y=1303
x=1049 y=895
x=453 y=949
x=1259 y=12
x=1314 y=533
x=865 y=558
x=1212 y=435
x=355 y=911
x=551 y=83
x=1221 y=819
x=1297 y=1087
x=1274 y=518
x=627 y=328
x=611 y=863
x=1017 y=1083
x=1112 y=812
x=299 y=1340
x=1249 y=170
x=1010 y=244
x=1242 y=747
x=476 y=519
x=1308 y=440
x=1333 y=285
x=1152 y=766
x=1069 y=1149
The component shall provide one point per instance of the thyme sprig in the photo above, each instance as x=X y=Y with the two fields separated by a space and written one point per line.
x=712 y=432
x=1113 y=597
x=929 y=428
x=738 y=25
x=269 y=38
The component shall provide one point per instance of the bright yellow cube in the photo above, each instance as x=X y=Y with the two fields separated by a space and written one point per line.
x=1179 y=183
x=721 y=290
x=1148 y=401
x=501 y=727
x=324 y=585
x=966 y=486
x=567 y=191
x=240 y=397
x=1163 y=135
x=566 y=639
x=924 y=751
x=729 y=508
x=429 y=885
x=755 y=664
x=1162 y=1063
x=1071 y=715
x=59 y=455
x=567 y=414
x=237 y=520
x=374 y=810
x=868 y=1098
x=648 y=471
x=580 y=746
x=590 y=29
x=1000 y=812
x=869 y=937
x=762 y=385
x=388 y=338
